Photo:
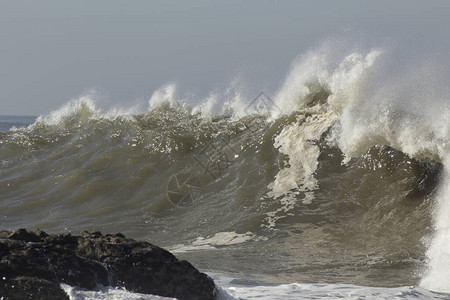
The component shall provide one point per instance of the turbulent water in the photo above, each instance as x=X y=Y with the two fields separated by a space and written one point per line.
x=335 y=186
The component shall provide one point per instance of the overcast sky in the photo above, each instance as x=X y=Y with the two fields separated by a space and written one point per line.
x=54 y=51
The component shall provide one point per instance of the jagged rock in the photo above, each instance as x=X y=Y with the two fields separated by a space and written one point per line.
x=31 y=257
x=27 y=236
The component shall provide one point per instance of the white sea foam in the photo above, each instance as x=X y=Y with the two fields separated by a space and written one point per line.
x=408 y=111
x=324 y=291
x=107 y=293
x=437 y=276
x=220 y=239
x=298 y=140
x=164 y=95
x=409 y=114
x=231 y=102
x=232 y=289
x=83 y=109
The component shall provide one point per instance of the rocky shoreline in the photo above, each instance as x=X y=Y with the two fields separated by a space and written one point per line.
x=34 y=263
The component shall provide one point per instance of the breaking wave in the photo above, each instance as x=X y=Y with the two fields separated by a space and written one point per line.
x=340 y=177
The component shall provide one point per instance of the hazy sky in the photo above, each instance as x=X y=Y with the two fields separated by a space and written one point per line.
x=54 y=51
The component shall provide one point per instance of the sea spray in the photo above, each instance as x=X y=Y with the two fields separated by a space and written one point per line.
x=407 y=114
x=437 y=275
x=335 y=184
x=322 y=95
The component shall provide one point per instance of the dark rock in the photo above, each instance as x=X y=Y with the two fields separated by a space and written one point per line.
x=27 y=236
x=4 y=234
x=27 y=257
x=31 y=288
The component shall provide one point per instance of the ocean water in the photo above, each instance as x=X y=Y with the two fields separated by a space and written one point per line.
x=10 y=122
x=334 y=186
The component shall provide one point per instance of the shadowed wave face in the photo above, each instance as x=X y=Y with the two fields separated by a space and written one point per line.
x=328 y=181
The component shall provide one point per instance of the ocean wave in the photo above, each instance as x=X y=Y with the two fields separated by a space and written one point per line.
x=336 y=159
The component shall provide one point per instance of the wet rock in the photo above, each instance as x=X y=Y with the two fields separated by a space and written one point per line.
x=30 y=257
x=31 y=288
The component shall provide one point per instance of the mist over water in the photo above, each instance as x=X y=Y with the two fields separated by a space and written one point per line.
x=339 y=177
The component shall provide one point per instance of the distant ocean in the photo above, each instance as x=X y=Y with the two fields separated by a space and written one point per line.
x=333 y=187
x=10 y=122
